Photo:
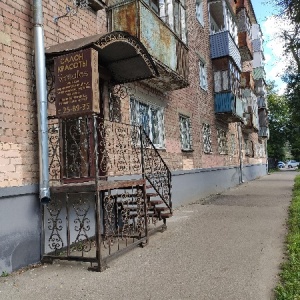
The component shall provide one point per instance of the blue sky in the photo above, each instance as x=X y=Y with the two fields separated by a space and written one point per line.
x=273 y=47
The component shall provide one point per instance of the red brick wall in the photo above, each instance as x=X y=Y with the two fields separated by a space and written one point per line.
x=18 y=121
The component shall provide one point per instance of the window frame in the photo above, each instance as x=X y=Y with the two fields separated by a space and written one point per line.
x=199 y=7
x=203 y=71
x=188 y=130
x=206 y=138
x=151 y=107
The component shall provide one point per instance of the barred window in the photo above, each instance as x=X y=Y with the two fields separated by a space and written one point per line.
x=200 y=12
x=249 y=151
x=206 y=134
x=232 y=144
x=222 y=141
x=185 y=132
x=151 y=117
x=203 y=75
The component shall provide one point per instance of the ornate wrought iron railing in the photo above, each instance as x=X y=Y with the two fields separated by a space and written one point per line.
x=87 y=147
x=156 y=170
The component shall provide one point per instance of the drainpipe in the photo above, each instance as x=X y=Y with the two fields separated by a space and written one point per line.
x=41 y=90
x=240 y=151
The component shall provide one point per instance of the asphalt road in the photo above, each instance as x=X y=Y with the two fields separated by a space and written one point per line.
x=228 y=246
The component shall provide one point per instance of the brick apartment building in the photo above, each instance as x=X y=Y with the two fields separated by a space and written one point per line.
x=189 y=72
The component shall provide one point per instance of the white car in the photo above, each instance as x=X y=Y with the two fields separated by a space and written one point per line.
x=292 y=164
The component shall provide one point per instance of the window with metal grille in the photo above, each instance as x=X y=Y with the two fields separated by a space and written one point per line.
x=199 y=11
x=206 y=135
x=203 y=75
x=185 y=132
x=151 y=118
x=222 y=141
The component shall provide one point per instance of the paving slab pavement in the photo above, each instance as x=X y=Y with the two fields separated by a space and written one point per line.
x=227 y=246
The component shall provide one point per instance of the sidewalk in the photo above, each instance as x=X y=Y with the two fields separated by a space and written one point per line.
x=227 y=246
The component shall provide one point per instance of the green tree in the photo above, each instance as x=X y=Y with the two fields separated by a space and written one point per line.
x=279 y=123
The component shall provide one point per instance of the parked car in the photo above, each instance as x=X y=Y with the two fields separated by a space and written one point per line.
x=280 y=164
x=292 y=164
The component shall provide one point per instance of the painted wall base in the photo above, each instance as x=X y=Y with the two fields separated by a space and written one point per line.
x=20 y=221
x=20 y=227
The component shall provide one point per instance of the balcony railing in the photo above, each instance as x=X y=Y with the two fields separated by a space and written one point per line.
x=222 y=44
x=229 y=108
x=257 y=45
x=167 y=48
x=258 y=59
x=259 y=73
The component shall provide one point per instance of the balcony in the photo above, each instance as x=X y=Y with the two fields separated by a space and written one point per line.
x=259 y=73
x=251 y=122
x=245 y=4
x=258 y=59
x=264 y=132
x=262 y=103
x=263 y=118
x=260 y=88
x=166 y=47
x=222 y=45
x=247 y=80
x=244 y=35
x=229 y=108
x=257 y=45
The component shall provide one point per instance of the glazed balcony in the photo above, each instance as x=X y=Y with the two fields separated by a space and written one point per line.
x=229 y=108
x=163 y=37
x=264 y=132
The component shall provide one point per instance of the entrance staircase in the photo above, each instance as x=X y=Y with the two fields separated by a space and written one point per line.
x=110 y=189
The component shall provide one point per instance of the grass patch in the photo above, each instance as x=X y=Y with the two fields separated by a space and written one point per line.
x=4 y=274
x=289 y=286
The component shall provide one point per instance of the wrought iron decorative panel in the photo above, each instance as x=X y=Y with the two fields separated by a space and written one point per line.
x=206 y=135
x=222 y=141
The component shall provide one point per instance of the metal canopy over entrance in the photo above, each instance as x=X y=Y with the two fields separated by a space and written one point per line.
x=123 y=55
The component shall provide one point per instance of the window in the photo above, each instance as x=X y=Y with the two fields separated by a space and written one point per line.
x=206 y=134
x=173 y=13
x=222 y=141
x=203 y=75
x=232 y=144
x=199 y=11
x=185 y=132
x=151 y=118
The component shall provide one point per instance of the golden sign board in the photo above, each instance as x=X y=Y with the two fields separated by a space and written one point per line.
x=77 y=83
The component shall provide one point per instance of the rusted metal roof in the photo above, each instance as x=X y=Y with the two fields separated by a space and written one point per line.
x=122 y=54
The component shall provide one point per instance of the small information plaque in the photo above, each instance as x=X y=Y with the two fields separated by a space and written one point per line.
x=77 y=83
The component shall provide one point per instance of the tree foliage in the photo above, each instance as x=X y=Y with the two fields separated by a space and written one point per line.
x=279 y=123
x=290 y=11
